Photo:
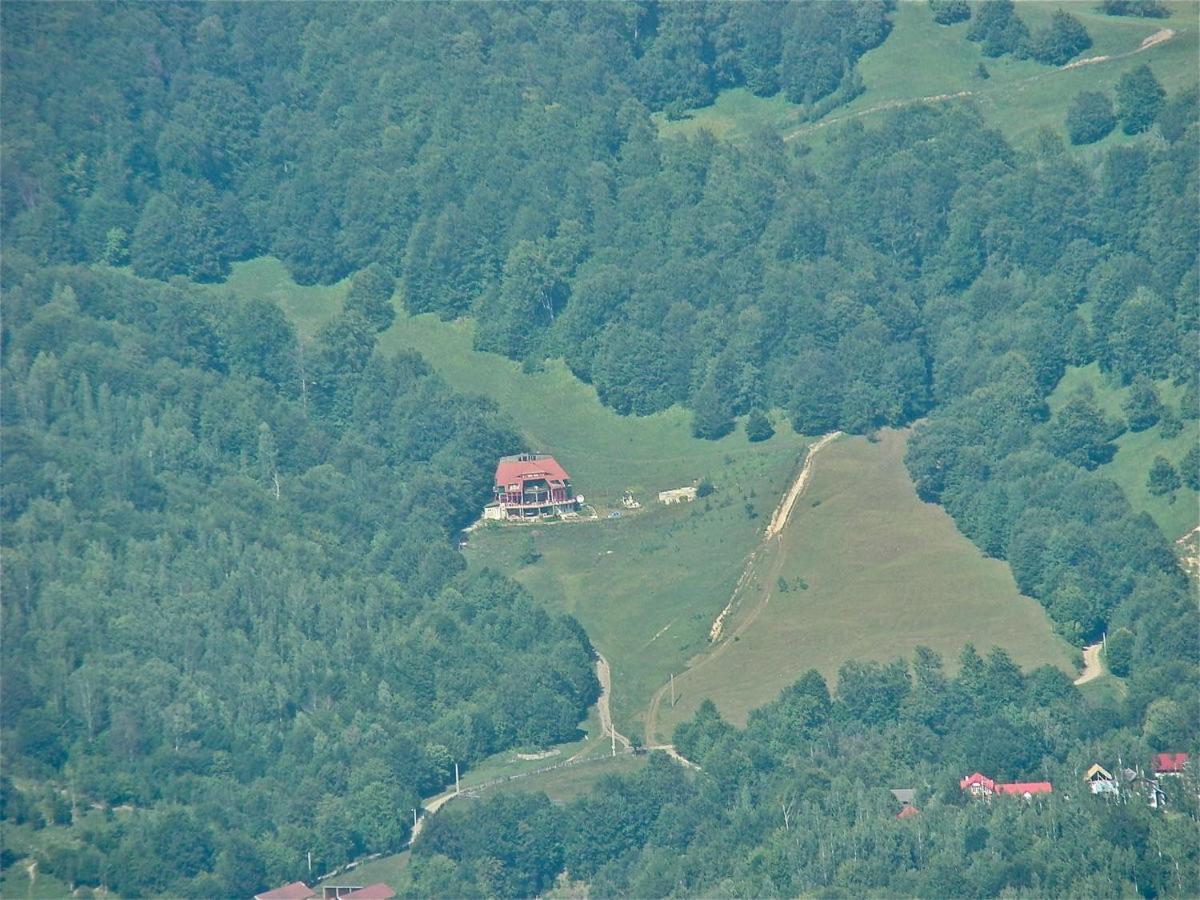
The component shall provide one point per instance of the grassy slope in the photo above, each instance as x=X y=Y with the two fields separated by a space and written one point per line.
x=266 y=278
x=1136 y=452
x=668 y=567
x=648 y=585
x=923 y=59
x=885 y=572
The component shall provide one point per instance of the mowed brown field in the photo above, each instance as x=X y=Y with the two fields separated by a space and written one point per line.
x=884 y=574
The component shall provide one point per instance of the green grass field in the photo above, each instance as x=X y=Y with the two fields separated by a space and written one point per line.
x=388 y=869
x=565 y=784
x=1136 y=451
x=923 y=59
x=267 y=278
x=647 y=587
x=884 y=573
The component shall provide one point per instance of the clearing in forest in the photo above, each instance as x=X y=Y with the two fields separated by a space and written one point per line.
x=1176 y=513
x=870 y=572
x=645 y=586
x=921 y=59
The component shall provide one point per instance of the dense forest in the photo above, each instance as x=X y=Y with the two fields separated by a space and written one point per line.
x=231 y=599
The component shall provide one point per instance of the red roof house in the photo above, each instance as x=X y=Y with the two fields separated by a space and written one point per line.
x=908 y=812
x=982 y=786
x=978 y=784
x=297 y=890
x=379 y=891
x=532 y=485
x=1170 y=763
x=1025 y=788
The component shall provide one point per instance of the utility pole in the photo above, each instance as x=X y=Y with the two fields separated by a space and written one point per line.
x=414 y=817
x=456 y=778
x=672 y=690
x=310 y=863
x=612 y=732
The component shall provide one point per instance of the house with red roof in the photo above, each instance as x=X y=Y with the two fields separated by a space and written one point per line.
x=531 y=486
x=297 y=890
x=1026 y=789
x=978 y=785
x=1170 y=763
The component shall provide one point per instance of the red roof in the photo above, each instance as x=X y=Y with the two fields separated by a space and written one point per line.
x=379 y=891
x=1025 y=787
x=514 y=469
x=1170 y=762
x=297 y=890
x=908 y=812
x=977 y=779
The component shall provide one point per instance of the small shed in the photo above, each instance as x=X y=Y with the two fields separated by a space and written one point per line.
x=678 y=495
x=904 y=795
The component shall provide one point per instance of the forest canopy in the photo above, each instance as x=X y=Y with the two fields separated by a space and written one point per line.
x=232 y=602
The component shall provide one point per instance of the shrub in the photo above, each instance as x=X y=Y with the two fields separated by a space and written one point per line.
x=1062 y=39
x=1163 y=479
x=1090 y=118
x=758 y=427
x=948 y=12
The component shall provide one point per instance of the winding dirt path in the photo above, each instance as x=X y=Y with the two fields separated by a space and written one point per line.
x=768 y=548
x=1092 y=666
x=1159 y=37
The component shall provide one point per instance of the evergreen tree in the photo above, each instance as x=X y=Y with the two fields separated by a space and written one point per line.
x=1064 y=38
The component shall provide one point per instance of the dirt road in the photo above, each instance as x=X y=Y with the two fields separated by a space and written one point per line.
x=428 y=808
x=1159 y=37
x=1092 y=666
x=765 y=580
x=779 y=519
x=784 y=511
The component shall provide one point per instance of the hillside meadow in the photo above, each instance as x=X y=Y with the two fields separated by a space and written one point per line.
x=871 y=573
x=884 y=571
x=1175 y=514
x=921 y=59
